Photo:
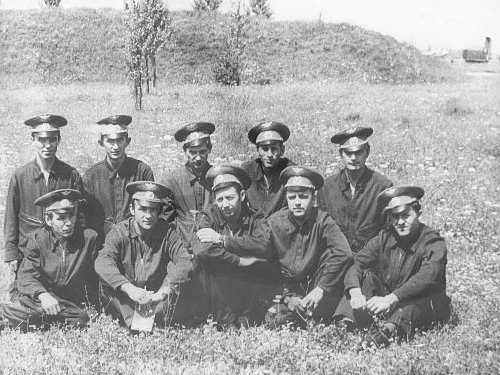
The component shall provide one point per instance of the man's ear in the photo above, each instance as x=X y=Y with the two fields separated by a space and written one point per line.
x=100 y=142
x=283 y=148
x=315 y=199
x=131 y=208
x=128 y=140
x=243 y=195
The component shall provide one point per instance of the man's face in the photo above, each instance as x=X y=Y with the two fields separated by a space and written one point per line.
x=146 y=217
x=229 y=201
x=300 y=201
x=115 y=148
x=46 y=146
x=406 y=222
x=62 y=223
x=197 y=156
x=270 y=153
x=354 y=160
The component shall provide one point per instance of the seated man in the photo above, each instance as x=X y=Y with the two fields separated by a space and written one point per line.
x=133 y=263
x=56 y=268
x=313 y=253
x=230 y=248
x=400 y=275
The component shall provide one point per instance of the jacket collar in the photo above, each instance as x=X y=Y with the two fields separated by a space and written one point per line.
x=192 y=176
x=259 y=168
x=120 y=171
x=410 y=244
x=308 y=223
x=37 y=171
x=360 y=185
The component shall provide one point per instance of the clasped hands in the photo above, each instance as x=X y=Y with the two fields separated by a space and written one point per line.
x=309 y=303
x=374 y=305
x=143 y=296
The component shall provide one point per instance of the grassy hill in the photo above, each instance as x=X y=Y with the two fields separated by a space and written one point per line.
x=83 y=45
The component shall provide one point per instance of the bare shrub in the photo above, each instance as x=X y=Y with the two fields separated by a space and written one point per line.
x=260 y=8
x=206 y=5
x=149 y=28
x=52 y=3
x=229 y=64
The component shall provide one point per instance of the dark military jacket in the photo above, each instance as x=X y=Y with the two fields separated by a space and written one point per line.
x=313 y=254
x=64 y=272
x=358 y=216
x=410 y=269
x=108 y=202
x=261 y=197
x=22 y=217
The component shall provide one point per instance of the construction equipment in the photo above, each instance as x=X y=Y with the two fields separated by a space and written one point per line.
x=478 y=56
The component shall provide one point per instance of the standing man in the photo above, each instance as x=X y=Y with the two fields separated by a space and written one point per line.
x=313 y=253
x=231 y=250
x=266 y=194
x=44 y=174
x=57 y=268
x=400 y=275
x=350 y=195
x=191 y=193
x=105 y=182
x=133 y=263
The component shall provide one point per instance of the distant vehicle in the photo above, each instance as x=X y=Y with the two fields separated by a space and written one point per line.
x=478 y=56
x=436 y=53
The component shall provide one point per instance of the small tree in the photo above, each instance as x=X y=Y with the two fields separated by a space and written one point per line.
x=260 y=8
x=229 y=65
x=52 y=3
x=206 y=5
x=149 y=28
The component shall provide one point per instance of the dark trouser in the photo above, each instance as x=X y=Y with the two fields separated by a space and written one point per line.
x=177 y=309
x=282 y=312
x=408 y=316
x=234 y=297
x=29 y=314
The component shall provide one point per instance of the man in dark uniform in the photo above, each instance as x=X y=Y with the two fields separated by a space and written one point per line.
x=231 y=249
x=400 y=275
x=58 y=263
x=350 y=195
x=313 y=253
x=266 y=194
x=29 y=182
x=191 y=193
x=133 y=263
x=105 y=182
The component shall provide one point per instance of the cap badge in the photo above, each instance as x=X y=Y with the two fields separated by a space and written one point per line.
x=66 y=192
x=149 y=185
x=149 y=195
x=350 y=131
x=44 y=117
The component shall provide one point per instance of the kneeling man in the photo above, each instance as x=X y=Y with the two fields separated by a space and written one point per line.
x=56 y=269
x=400 y=275
x=231 y=247
x=133 y=263
x=313 y=253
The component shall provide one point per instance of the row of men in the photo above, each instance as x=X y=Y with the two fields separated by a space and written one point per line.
x=225 y=243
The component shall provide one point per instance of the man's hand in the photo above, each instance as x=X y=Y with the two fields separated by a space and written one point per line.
x=139 y=295
x=295 y=303
x=245 y=262
x=313 y=298
x=358 y=300
x=377 y=305
x=13 y=265
x=49 y=304
x=208 y=235
x=162 y=294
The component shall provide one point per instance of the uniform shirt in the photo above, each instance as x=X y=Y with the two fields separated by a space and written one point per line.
x=358 y=216
x=126 y=258
x=22 y=217
x=61 y=271
x=410 y=269
x=305 y=249
x=250 y=238
x=108 y=202
x=191 y=194
x=261 y=197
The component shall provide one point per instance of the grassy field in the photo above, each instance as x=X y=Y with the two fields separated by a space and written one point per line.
x=443 y=137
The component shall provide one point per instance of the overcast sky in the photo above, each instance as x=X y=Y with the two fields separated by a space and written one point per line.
x=438 y=24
